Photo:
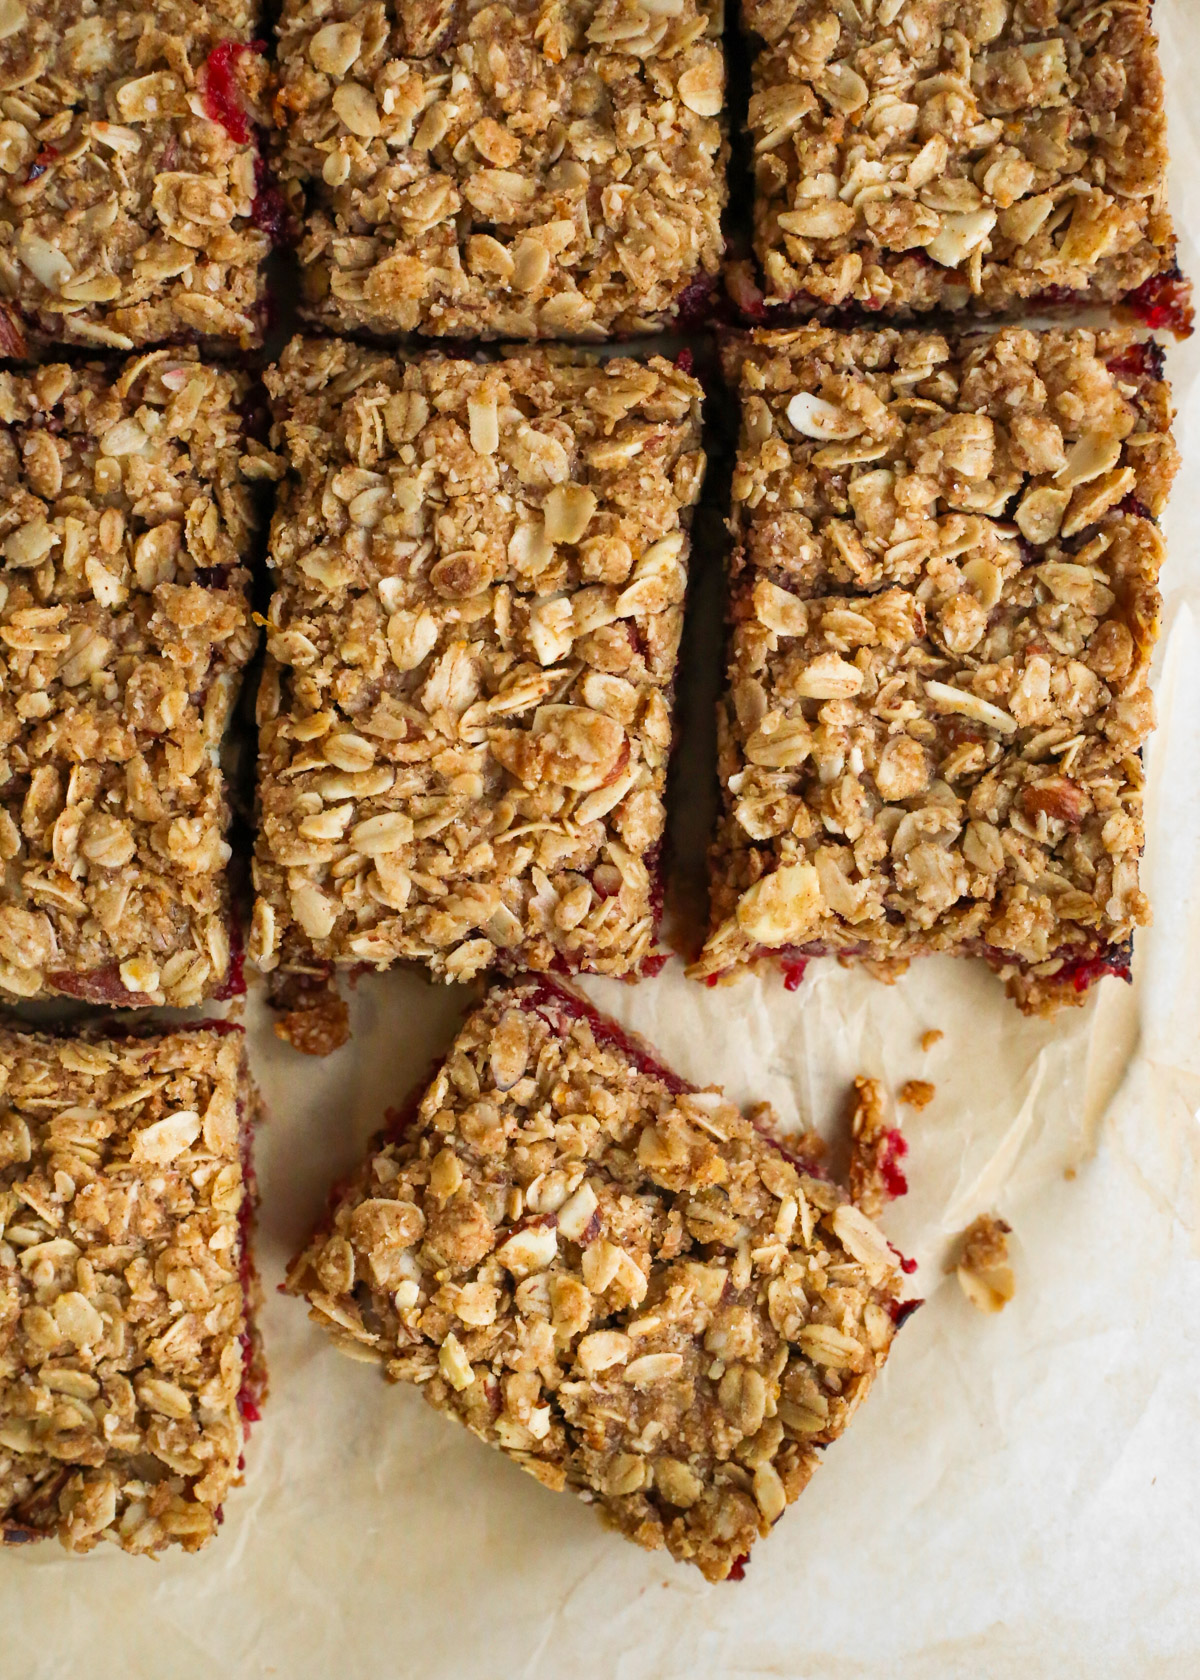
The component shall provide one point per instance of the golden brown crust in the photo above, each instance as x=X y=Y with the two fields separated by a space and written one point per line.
x=921 y=154
x=950 y=763
x=520 y=170
x=125 y=524
x=466 y=713
x=127 y=213
x=612 y=1277
x=123 y=1311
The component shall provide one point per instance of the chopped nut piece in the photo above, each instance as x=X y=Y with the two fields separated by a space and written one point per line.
x=931 y=735
x=124 y=627
x=935 y=1035
x=466 y=714
x=935 y=155
x=131 y=1371
x=143 y=229
x=982 y=1267
x=669 y=1346
x=504 y=170
x=917 y=1093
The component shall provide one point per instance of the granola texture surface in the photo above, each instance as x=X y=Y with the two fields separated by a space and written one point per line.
x=466 y=713
x=920 y=154
x=126 y=205
x=539 y=169
x=125 y=516
x=123 y=1324
x=612 y=1277
x=942 y=628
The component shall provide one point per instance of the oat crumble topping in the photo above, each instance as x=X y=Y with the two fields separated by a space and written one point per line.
x=526 y=170
x=124 y=1336
x=127 y=211
x=466 y=712
x=944 y=606
x=920 y=154
x=982 y=1267
x=612 y=1277
x=125 y=519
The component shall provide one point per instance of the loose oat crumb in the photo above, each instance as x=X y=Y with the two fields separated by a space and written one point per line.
x=876 y=1150
x=310 y=1013
x=917 y=1093
x=928 y=1039
x=611 y=1276
x=982 y=1266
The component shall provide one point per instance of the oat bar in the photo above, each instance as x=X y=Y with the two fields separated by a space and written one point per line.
x=133 y=201
x=129 y=1370
x=125 y=518
x=523 y=170
x=466 y=713
x=920 y=154
x=943 y=620
x=611 y=1276
x=867 y=457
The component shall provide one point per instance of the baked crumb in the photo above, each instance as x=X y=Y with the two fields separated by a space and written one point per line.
x=310 y=1013
x=130 y=180
x=126 y=518
x=129 y=1368
x=957 y=154
x=982 y=1266
x=466 y=713
x=931 y=735
x=917 y=1093
x=935 y=1035
x=520 y=170
x=877 y=1147
x=609 y=1275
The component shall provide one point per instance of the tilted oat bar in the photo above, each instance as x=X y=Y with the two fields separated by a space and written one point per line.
x=466 y=712
x=125 y=519
x=942 y=627
x=131 y=189
x=919 y=154
x=531 y=169
x=129 y=1369
x=611 y=1276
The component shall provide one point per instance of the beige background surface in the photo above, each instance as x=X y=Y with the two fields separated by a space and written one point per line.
x=1020 y=1496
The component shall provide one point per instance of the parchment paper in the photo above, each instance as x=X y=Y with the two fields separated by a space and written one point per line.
x=1019 y=1497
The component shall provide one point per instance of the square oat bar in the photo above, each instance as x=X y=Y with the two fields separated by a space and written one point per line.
x=125 y=520
x=129 y=1369
x=466 y=714
x=942 y=628
x=921 y=154
x=613 y=1277
x=131 y=189
x=531 y=169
